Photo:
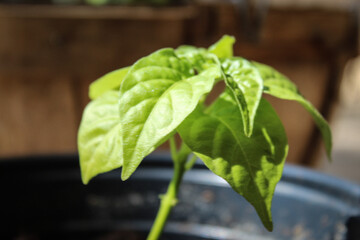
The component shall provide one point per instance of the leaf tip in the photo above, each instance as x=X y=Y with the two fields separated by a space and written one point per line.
x=269 y=226
x=85 y=180
x=224 y=47
x=248 y=130
x=228 y=38
x=329 y=156
x=231 y=38
x=124 y=178
x=125 y=175
x=328 y=145
x=93 y=91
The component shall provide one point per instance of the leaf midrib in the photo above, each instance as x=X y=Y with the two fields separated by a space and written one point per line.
x=152 y=112
x=150 y=66
x=245 y=156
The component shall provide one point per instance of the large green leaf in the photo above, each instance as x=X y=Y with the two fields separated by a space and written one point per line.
x=109 y=81
x=158 y=93
x=224 y=47
x=99 y=137
x=246 y=84
x=252 y=166
x=279 y=86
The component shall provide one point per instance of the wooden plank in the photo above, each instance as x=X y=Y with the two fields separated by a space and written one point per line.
x=343 y=5
x=37 y=113
x=317 y=28
x=74 y=45
x=104 y=12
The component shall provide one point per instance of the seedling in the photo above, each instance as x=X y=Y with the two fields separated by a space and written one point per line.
x=239 y=136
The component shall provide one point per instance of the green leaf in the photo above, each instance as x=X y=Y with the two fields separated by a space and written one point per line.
x=252 y=166
x=199 y=58
x=246 y=84
x=224 y=47
x=99 y=137
x=279 y=86
x=110 y=81
x=158 y=93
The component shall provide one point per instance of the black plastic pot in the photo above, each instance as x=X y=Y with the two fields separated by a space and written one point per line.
x=43 y=198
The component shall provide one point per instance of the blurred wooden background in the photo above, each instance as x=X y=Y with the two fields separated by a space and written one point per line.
x=50 y=54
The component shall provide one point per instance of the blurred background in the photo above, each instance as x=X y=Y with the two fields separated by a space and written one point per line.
x=51 y=50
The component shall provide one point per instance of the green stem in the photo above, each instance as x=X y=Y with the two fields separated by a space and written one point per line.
x=173 y=148
x=169 y=200
x=189 y=164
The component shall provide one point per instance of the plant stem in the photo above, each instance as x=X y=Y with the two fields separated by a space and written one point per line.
x=189 y=164
x=169 y=200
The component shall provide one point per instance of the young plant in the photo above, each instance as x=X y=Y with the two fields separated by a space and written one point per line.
x=239 y=136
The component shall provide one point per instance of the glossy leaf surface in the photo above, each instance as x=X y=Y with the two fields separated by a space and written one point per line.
x=239 y=137
x=159 y=92
x=246 y=84
x=99 y=142
x=252 y=166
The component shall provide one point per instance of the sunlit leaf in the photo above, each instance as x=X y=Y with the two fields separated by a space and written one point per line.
x=158 y=93
x=224 y=47
x=252 y=166
x=246 y=84
x=99 y=141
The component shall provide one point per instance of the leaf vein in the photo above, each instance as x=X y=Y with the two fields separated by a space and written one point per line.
x=246 y=160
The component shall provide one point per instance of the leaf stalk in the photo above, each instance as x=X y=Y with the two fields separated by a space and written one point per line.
x=169 y=199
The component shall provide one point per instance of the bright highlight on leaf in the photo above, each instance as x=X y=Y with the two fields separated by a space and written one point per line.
x=239 y=137
x=224 y=47
x=158 y=93
x=100 y=147
x=246 y=84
